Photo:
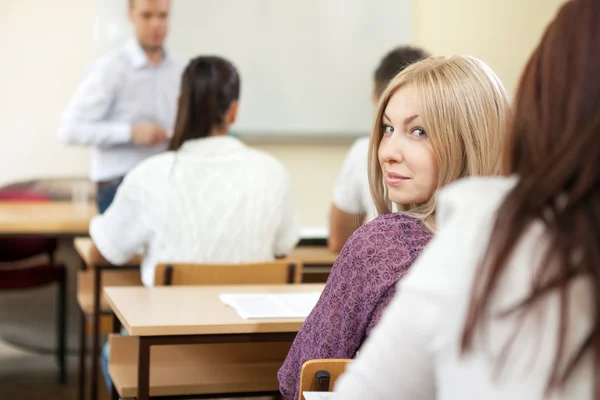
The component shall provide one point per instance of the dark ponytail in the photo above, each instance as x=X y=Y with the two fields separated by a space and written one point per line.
x=208 y=87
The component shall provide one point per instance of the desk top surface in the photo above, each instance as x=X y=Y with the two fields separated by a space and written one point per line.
x=194 y=310
x=45 y=218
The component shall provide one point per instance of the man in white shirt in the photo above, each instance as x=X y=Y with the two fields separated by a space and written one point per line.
x=352 y=204
x=125 y=106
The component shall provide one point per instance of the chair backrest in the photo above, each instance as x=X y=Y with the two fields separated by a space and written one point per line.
x=335 y=367
x=266 y=273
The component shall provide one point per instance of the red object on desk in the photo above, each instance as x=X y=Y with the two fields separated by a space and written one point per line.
x=11 y=195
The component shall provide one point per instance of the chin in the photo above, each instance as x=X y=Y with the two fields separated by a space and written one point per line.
x=404 y=198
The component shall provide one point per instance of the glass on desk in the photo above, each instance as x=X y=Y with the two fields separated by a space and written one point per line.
x=81 y=195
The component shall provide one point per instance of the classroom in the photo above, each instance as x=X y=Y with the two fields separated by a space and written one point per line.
x=325 y=199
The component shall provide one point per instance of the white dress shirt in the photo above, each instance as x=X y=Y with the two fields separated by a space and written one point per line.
x=118 y=90
x=213 y=201
x=351 y=193
x=414 y=352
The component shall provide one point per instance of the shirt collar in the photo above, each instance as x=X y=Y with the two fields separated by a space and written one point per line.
x=136 y=54
x=213 y=146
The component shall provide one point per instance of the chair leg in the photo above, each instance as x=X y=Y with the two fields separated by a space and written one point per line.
x=82 y=348
x=62 y=327
x=96 y=335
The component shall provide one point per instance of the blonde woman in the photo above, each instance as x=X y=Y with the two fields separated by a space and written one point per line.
x=439 y=120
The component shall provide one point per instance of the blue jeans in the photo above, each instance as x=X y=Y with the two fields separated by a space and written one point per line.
x=105 y=352
x=104 y=358
x=105 y=196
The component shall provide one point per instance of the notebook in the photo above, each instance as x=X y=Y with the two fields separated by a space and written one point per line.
x=271 y=305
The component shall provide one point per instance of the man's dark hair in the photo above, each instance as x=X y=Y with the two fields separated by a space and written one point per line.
x=394 y=62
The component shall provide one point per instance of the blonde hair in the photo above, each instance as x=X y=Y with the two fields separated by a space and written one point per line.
x=464 y=108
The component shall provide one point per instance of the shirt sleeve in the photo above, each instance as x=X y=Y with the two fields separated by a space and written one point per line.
x=288 y=231
x=84 y=121
x=122 y=232
x=338 y=324
x=347 y=189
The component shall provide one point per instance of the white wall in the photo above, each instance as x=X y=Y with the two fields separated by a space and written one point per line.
x=46 y=45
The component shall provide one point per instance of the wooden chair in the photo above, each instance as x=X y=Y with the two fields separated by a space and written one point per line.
x=226 y=370
x=95 y=315
x=266 y=273
x=308 y=375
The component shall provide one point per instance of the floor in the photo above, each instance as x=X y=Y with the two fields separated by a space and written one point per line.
x=27 y=319
x=26 y=375
x=27 y=338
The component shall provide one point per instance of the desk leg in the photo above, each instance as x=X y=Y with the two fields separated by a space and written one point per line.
x=143 y=368
x=82 y=345
x=116 y=324
x=114 y=395
x=116 y=328
x=96 y=334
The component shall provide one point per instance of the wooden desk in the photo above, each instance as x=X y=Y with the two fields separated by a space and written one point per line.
x=83 y=245
x=317 y=264
x=52 y=218
x=311 y=256
x=194 y=310
x=180 y=315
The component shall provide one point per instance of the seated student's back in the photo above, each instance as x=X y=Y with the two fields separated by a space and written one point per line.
x=210 y=199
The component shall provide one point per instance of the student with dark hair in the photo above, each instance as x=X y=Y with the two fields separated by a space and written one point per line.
x=352 y=204
x=505 y=302
x=211 y=199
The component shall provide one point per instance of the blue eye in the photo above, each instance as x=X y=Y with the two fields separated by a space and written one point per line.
x=418 y=132
x=388 y=129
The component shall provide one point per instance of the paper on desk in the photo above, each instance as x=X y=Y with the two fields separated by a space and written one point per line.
x=271 y=305
x=318 y=395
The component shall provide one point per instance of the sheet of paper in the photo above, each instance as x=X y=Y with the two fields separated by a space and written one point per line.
x=271 y=305
x=318 y=395
x=314 y=232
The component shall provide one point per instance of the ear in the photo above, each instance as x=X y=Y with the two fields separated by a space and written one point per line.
x=231 y=115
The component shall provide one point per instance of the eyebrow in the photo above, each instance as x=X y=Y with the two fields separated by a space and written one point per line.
x=410 y=119
x=406 y=120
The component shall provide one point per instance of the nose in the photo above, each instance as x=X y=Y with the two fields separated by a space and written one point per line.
x=391 y=149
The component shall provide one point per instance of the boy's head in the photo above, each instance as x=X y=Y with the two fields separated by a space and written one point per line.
x=391 y=64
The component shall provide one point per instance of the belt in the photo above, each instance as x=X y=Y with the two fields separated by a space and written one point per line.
x=116 y=181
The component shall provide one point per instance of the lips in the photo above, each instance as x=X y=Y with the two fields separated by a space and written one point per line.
x=392 y=179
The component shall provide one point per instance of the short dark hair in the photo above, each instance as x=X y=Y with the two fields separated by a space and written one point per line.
x=394 y=62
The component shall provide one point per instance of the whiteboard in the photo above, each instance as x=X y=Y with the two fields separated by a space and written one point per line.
x=306 y=65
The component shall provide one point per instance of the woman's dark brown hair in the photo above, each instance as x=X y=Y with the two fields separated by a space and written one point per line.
x=208 y=87
x=553 y=146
